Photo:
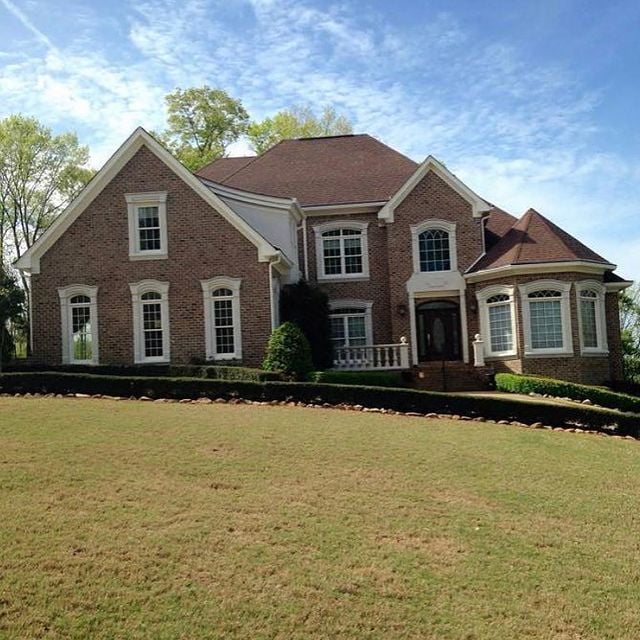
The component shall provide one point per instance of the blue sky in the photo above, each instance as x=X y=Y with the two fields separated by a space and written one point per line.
x=532 y=103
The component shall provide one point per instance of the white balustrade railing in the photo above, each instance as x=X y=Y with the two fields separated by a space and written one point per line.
x=376 y=357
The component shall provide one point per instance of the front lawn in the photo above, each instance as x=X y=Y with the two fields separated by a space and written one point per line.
x=164 y=521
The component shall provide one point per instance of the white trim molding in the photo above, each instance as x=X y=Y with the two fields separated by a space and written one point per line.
x=66 y=294
x=136 y=201
x=208 y=287
x=30 y=260
x=139 y=289
x=478 y=205
x=599 y=290
x=365 y=306
x=339 y=225
x=565 y=316
x=484 y=296
x=440 y=225
x=541 y=268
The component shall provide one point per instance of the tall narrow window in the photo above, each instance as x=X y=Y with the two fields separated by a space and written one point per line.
x=434 y=246
x=341 y=250
x=150 y=300
x=79 y=317
x=147 y=225
x=223 y=334
x=547 y=318
x=591 y=317
x=497 y=320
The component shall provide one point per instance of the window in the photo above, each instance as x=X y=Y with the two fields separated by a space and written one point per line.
x=341 y=250
x=350 y=322
x=79 y=323
x=434 y=246
x=147 y=225
x=497 y=320
x=150 y=300
x=591 y=317
x=223 y=336
x=547 y=318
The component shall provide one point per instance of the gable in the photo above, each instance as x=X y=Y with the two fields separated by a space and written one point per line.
x=30 y=261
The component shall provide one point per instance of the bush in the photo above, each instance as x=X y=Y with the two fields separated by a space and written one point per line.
x=308 y=307
x=288 y=351
x=405 y=400
x=217 y=372
x=366 y=378
x=514 y=383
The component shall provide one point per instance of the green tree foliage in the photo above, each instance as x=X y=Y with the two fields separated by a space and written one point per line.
x=308 y=307
x=11 y=312
x=296 y=122
x=201 y=123
x=40 y=173
x=288 y=351
x=630 y=328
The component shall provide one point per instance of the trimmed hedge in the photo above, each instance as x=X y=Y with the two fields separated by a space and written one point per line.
x=210 y=371
x=365 y=378
x=514 y=383
x=404 y=400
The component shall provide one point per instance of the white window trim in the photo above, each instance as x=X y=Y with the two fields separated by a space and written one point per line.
x=65 y=294
x=565 y=314
x=138 y=289
x=208 y=287
x=443 y=225
x=366 y=307
x=485 y=326
x=364 y=243
x=601 y=320
x=151 y=199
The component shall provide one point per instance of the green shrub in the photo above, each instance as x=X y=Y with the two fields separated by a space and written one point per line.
x=366 y=378
x=288 y=351
x=405 y=400
x=514 y=383
x=308 y=307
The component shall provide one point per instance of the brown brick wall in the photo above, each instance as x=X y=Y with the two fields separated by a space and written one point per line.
x=201 y=245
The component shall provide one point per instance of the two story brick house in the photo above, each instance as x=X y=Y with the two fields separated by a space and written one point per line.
x=153 y=264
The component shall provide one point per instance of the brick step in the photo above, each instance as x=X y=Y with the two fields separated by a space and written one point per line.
x=455 y=376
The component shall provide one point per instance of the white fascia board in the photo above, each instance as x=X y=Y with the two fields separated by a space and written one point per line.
x=343 y=209
x=579 y=266
x=30 y=261
x=478 y=205
x=617 y=286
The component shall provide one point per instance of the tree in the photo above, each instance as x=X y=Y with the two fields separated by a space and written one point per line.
x=296 y=122
x=308 y=307
x=11 y=312
x=202 y=123
x=288 y=351
x=40 y=173
x=630 y=332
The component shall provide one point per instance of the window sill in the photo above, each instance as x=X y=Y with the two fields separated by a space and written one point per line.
x=595 y=353
x=225 y=357
x=149 y=256
x=360 y=277
x=501 y=356
x=548 y=354
x=152 y=361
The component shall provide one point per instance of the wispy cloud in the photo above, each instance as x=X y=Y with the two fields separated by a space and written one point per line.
x=521 y=134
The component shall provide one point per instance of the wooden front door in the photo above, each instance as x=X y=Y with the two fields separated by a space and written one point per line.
x=438 y=330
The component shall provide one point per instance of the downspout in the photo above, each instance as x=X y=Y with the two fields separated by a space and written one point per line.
x=304 y=248
x=277 y=259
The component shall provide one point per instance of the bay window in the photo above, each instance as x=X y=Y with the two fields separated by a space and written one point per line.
x=498 y=320
x=590 y=297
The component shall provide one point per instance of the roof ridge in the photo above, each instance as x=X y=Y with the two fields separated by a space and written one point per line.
x=525 y=231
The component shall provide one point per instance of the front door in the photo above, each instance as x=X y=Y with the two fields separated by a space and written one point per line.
x=438 y=330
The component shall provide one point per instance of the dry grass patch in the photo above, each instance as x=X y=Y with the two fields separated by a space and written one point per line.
x=163 y=521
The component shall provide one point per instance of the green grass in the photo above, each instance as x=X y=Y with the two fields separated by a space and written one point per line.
x=164 y=521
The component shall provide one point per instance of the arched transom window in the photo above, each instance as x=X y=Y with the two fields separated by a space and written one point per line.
x=79 y=313
x=434 y=246
x=591 y=317
x=150 y=301
x=497 y=319
x=222 y=318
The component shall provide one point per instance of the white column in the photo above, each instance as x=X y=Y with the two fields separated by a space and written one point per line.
x=478 y=351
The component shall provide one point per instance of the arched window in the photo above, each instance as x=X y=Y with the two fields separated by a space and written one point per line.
x=150 y=300
x=341 y=250
x=591 y=317
x=434 y=246
x=79 y=313
x=547 y=318
x=222 y=318
x=497 y=320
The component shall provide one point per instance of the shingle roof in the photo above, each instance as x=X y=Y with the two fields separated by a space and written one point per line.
x=317 y=171
x=534 y=239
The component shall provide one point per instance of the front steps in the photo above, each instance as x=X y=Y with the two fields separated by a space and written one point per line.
x=451 y=376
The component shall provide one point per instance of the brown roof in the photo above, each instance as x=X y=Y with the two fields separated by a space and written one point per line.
x=317 y=171
x=222 y=168
x=534 y=239
x=496 y=226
